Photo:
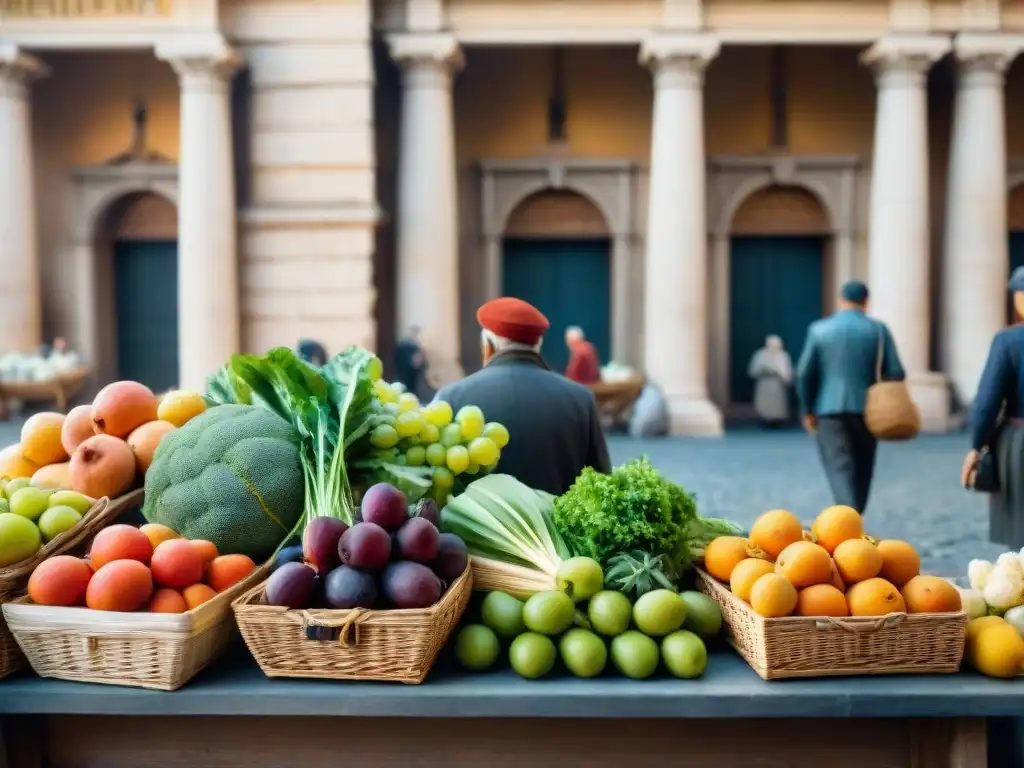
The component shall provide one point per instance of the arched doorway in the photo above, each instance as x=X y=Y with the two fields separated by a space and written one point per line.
x=778 y=243
x=556 y=254
x=137 y=281
x=1015 y=225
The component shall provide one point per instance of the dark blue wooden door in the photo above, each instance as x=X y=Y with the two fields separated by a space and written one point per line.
x=146 y=295
x=776 y=289
x=1016 y=260
x=570 y=282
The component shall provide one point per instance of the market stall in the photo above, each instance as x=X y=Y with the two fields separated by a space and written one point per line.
x=377 y=564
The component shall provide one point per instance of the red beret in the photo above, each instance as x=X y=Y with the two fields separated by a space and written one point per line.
x=513 y=319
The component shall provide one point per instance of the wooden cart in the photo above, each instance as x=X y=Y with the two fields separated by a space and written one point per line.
x=58 y=390
x=615 y=398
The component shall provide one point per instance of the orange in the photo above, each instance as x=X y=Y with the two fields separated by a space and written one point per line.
x=158 y=534
x=40 y=439
x=874 y=597
x=227 y=570
x=167 y=601
x=14 y=464
x=772 y=596
x=857 y=560
x=930 y=594
x=900 y=561
x=722 y=555
x=198 y=594
x=821 y=600
x=803 y=564
x=836 y=525
x=775 y=530
x=745 y=574
x=837 y=580
x=207 y=549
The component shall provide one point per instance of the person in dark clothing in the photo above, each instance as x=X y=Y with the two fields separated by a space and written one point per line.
x=410 y=362
x=312 y=352
x=996 y=426
x=838 y=365
x=553 y=422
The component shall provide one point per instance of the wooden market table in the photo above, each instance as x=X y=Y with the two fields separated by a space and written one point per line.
x=234 y=716
x=615 y=398
x=58 y=390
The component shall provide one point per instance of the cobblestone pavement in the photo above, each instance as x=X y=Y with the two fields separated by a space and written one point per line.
x=916 y=495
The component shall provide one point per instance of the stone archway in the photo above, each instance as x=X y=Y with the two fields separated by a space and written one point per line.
x=556 y=254
x=135 y=200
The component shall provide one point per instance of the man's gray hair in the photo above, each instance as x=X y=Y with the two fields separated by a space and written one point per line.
x=501 y=344
x=575 y=332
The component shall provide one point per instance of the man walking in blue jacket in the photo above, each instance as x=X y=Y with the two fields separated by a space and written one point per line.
x=838 y=364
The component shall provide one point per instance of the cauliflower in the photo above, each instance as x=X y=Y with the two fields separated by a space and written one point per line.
x=1016 y=617
x=978 y=572
x=973 y=602
x=1004 y=589
x=1010 y=560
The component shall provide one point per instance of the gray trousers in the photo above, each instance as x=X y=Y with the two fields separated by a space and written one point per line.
x=847 y=451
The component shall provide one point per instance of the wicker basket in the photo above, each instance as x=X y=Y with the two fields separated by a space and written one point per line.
x=162 y=651
x=14 y=578
x=396 y=645
x=806 y=646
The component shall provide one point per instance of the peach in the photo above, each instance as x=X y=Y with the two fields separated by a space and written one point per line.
x=14 y=464
x=176 y=563
x=77 y=428
x=60 y=580
x=53 y=477
x=122 y=585
x=227 y=570
x=207 y=550
x=144 y=440
x=102 y=466
x=197 y=594
x=167 y=601
x=158 y=534
x=40 y=438
x=120 y=542
x=122 y=406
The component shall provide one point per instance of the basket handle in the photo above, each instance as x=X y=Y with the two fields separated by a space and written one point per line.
x=345 y=630
x=890 y=621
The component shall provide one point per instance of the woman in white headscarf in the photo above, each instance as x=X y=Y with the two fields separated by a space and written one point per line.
x=772 y=370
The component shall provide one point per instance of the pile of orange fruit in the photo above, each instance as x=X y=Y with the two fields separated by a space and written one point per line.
x=832 y=570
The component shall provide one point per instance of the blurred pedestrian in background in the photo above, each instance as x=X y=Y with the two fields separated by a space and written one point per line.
x=312 y=352
x=584 y=364
x=772 y=371
x=995 y=463
x=411 y=364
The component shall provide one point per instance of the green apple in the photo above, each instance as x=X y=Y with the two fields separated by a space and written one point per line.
x=57 y=520
x=77 y=501
x=30 y=502
x=19 y=539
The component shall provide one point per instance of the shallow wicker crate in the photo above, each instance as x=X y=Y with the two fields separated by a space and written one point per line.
x=807 y=646
x=14 y=578
x=162 y=651
x=358 y=644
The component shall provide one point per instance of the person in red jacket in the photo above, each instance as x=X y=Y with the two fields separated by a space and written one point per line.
x=584 y=365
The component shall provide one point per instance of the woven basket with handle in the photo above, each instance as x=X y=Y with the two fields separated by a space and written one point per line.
x=14 y=578
x=809 y=646
x=889 y=412
x=358 y=644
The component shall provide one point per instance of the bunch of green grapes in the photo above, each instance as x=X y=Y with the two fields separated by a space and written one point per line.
x=456 y=446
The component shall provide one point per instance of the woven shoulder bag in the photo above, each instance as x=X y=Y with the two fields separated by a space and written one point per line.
x=889 y=412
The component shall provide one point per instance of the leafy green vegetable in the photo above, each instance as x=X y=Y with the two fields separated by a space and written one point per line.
x=637 y=573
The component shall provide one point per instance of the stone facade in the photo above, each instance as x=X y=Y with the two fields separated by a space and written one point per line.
x=343 y=169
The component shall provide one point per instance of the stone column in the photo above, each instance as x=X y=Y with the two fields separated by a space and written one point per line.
x=427 y=215
x=208 y=305
x=676 y=268
x=21 y=318
x=898 y=239
x=975 y=259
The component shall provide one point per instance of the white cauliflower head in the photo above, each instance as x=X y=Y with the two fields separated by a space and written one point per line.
x=978 y=572
x=1003 y=590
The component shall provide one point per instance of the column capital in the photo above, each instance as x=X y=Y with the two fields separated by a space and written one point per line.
x=900 y=60
x=18 y=70
x=438 y=51
x=678 y=60
x=203 y=64
x=982 y=58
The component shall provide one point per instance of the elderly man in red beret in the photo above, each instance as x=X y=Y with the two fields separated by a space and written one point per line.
x=553 y=422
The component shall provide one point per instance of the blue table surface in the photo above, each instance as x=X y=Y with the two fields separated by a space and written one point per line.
x=729 y=688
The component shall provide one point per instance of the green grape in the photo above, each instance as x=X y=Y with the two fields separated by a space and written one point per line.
x=497 y=433
x=451 y=435
x=386 y=418
x=443 y=479
x=408 y=442
x=470 y=430
x=473 y=468
x=436 y=455
x=471 y=419
x=407 y=401
x=384 y=436
x=438 y=413
x=416 y=456
x=375 y=369
x=391 y=409
x=400 y=460
x=409 y=424
x=483 y=451
x=429 y=433
x=488 y=469
x=457 y=459
x=384 y=392
x=398 y=388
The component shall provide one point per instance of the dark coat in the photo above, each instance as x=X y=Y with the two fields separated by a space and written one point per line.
x=1001 y=385
x=553 y=423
